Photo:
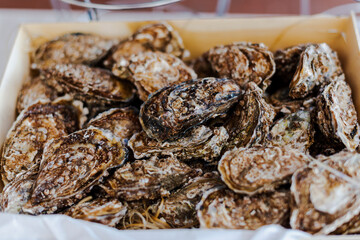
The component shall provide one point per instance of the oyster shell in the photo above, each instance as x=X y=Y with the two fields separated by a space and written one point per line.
x=147 y=179
x=153 y=37
x=199 y=142
x=222 y=208
x=325 y=196
x=173 y=110
x=122 y=122
x=249 y=123
x=151 y=71
x=91 y=85
x=244 y=62
x=336 y=114
x=318 y=65
x=202 y=66
x=32 y=91
x=259 y=169
x=179 y=209
x=35 y=126
x=107 y=211
x=73 y=48
x=71 y=166
x=294 y=130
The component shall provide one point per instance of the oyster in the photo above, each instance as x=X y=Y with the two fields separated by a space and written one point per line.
x=71 y=166
x=91 y=85
x=336 y=114
x=147 y=179
x=202 y=66
x=173 y=110
x=153 y=37
x=73 y=48
x=244 y=62
x=318 y=65
x=294 y=131
x=151 y=71
x=35 y=126
x=122 y=122
x=179 y=209
x=326 y=194
x=222 y=208
x=259 y=169
x=32 y=91
x=249 y=123
x=101 y=210
x=199 y=142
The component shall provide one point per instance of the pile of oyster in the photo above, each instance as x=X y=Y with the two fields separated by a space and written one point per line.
x=129 y=134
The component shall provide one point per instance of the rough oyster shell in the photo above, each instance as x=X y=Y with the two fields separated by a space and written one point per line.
x=202 y=66
x=147 y=179
x=318 y=65
x=73 y=48
x=294 y=130
x=92 y=85
x=222 y=208
x=71 y=166
x=151 y=71
x=259 y=169
x=199 y=142
x=325 y=196
x=122 y=122
x=336 y=114
x=153 y=37
x=244 y=62
x=173 y=110
x=35 y=125
x=32 y=91
x=107 y=211
x=249 y=123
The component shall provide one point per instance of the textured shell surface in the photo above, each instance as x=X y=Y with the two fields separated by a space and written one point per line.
x=107 y=211
x=36 y=125
x=201 y=142
x=147 y=179
x=122 y=122
x=259 y=169
x=222 y=208
x=173 y=110
x=73 y=48
x=336 y=114
x=71 y=166
x=202 y=66
x=318 y=65
x=294 y=130
x=249 y=122
x=244 y=62
x=88 y=84
x=151 y=71
x=326 y=194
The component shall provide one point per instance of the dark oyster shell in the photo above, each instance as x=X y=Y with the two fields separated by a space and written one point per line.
x=73 y=48
x=153 y=37
x=336 y=114
x=151 y=71
x=107 y=211
x=294 y=130
x=222 y=208
x=173 y=110
x=318 y=65
x=202 y=66
x=244 y=62
x=147 y=179
x=35 y=126
x=259 y=169
x=249 y=123
x=71 y=166
x=326 y=194
x=92 y=85
x=122 y=122
x=200 y=142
